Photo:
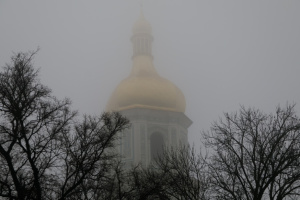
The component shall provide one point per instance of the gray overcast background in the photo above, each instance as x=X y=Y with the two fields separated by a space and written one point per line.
x=221 y=54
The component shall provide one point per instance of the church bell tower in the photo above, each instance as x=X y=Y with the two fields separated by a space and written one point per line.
x=153 y=104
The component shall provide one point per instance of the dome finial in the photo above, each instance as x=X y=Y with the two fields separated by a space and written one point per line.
x=141 y=25
x=141 y=4
x=141 y=9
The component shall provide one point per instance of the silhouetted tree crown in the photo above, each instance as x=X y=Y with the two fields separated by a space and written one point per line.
x=44 y=152
x=256 y=155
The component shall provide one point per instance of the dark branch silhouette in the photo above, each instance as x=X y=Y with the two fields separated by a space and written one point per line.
x=44 y=152
x=256 y=155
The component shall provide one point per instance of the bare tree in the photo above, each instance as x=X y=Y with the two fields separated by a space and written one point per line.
x=256 y=155
x=110 y=186
x=179 y=173
x=147 y=183
x=88 y=156
x=185 y=172
x=42 y=155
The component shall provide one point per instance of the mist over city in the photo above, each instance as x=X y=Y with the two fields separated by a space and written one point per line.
x=222 y=55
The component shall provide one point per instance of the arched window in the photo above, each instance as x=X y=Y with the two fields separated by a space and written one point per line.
x=127 y=143
x=156 y=144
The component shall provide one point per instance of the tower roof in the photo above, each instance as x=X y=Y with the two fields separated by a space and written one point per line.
x=141 y=25
x=144 y=87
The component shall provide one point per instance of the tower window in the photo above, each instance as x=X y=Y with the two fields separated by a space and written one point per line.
x=126 y=143
x=157 y=145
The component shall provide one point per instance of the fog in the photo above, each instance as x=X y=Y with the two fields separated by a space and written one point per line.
x=221 y=54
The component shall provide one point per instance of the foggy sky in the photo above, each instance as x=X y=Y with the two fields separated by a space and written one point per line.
x=221 y=54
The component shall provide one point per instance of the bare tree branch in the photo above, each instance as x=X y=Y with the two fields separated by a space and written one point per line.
x=41 y=155
x=256 y=155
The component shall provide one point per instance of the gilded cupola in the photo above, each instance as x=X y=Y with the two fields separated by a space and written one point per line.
x=144 y=87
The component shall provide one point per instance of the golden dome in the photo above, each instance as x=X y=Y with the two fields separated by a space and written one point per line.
x=151 y=92
x=144 y=88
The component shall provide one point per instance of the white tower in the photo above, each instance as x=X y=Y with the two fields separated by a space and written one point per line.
x=154 y=105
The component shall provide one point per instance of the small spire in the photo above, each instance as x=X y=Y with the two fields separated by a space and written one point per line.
x=141 y=4
x=141 y=7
